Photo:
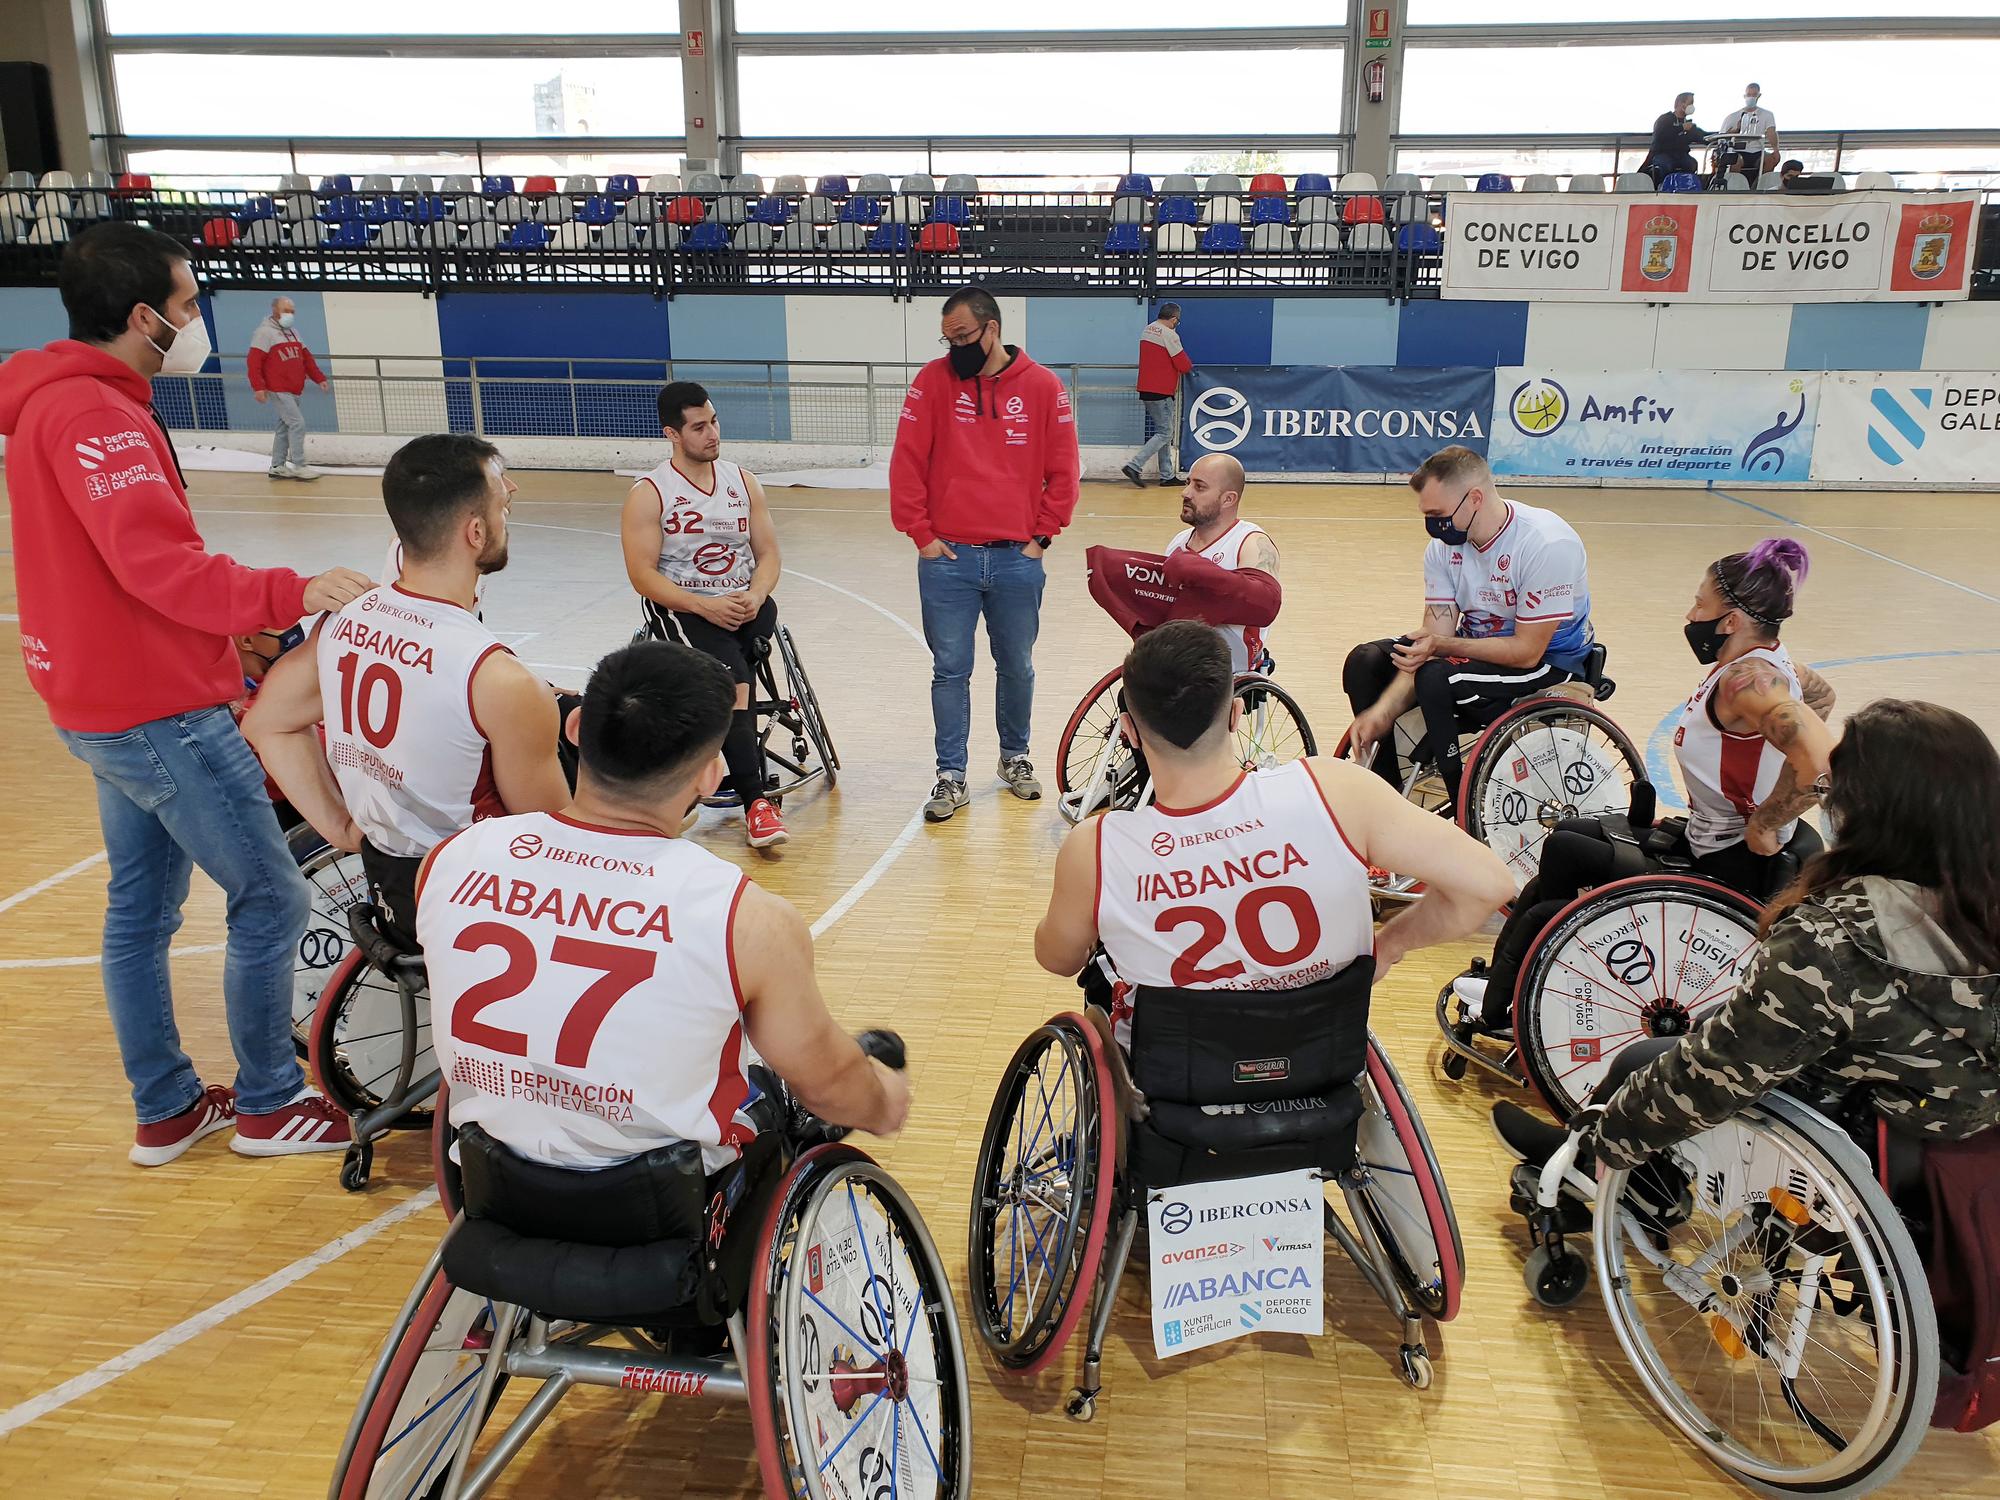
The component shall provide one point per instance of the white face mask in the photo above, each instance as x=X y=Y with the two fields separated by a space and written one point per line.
x=190 y=349
x=1749 y=101
x=284 y=320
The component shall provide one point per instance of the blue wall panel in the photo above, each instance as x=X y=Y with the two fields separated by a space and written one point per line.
x=195 y=402
x=577 y=327
x=1224 y=330
x=1334 y=331
x=1083 y=330
x=235 y=320
x=726 y=327
x=1857 y=336
x=31 y=316
x=1462 y=333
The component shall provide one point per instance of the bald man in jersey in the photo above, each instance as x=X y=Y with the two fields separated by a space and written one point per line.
x=1217 y=533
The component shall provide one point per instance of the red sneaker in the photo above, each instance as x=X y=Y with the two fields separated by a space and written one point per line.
x=311 y=1122
x=157 y=1144
x=764 y=825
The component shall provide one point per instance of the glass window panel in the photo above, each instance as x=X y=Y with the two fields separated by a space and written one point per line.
x=1487 y=12
x=1834 y=85
x=387 y=96
x=1034 y=15
x=258 y=171
x=382 y=18
x=1294 y=91
x=1951 y=167
x=812 y=165
x=1516 y=162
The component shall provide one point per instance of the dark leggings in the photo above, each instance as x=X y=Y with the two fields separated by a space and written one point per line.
x=1456 y=698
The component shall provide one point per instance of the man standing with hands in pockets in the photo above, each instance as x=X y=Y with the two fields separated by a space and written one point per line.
x=983 y=479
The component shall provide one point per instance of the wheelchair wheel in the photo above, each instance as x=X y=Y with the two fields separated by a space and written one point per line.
x=357 y=1040
x=856 y=1374
x=806 y=701
x=1041 y=1205
x=1778 y=1314
x=1644 y=957
x=1090 y=735
x=1402 y=1193
x=1273 y=728
x=1543 y=760
x=337 y=882
x=418 y=1408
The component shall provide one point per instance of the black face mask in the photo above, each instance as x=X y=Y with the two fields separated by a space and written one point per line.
x=1446 y=528
x=1705 y=638
x=967 y=360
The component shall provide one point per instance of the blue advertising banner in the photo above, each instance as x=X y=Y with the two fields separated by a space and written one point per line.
x=1333 y=419
x=1719 y=426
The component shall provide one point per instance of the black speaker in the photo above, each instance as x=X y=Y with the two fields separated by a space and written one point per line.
x=28 y=119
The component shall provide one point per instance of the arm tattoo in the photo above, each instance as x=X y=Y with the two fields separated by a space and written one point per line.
x=1781 y=725
x=1742 y=677
x=1816 y=690
x=1786 y=802
x=1441 y=619
x=1260 y=552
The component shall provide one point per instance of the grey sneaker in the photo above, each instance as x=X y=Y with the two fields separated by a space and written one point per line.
x=947 y=797
x=301 y=471
x=1019 y=774
x=280 y=472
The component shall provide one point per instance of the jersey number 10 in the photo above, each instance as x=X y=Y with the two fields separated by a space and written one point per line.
x=360 y=700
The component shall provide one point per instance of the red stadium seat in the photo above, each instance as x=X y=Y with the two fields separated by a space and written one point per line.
x=219 y=232
x=1267 y=185
x=1364 y=208
x=539 y=187
x=133 y=183
x=686 y=209
x=939 y=239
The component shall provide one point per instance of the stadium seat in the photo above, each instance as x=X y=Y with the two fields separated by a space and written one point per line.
x=1178 y=211
x=496 y=187
x=640 y=209
x=706 y=238
x=1862 y=181
x=428 y=208
x=1130 y=208
x=1175 y=239
x=704 y=183
x=56 y=231
x=847 y=235
x=1680 y=182
x=860 y=210
x=1316 y=208
x=1271 y=208
x=513 y=208
x=527 y=235
x=349 y=234
x=307 y=234
x=572 y=236
x=874 y=182
x=1447 y=182
x=397 y=234
x=894 y=238
x=337 y=185
x=217 y=233
x=580 y=185
x=1735 y=182
x=1495 y=182
x=338 y=210
x=1634 y=182
x=751 y=236
x=54 y=201
x=257 y=208
x=94 y=201
x=1270 y=236
x=1369 y=237
x=917 y=182
x=484 y=234
x=1179 y=185
x=940 y=239
x=732 y=208
x=1357 y=182
x=962 y=184
x=263 y=233
x=1402 y=182
x=378 y=182
x=816 y=208
x=1267 y=185
x=799 y=236
x=1770 y=182
x=1586 y=182
x=663 y=183
x=539 y=187
x=1313 y=184
x=381 y=210
x=620 y=186
x=134 y=184
x=1226 y=209
x=1836 y=183
x=790 y=183
x=442 y=235
x=597 y=210
x=1124 y=239
x=686 y=209
x=294 y=182
x=907 y=208
x=1419 y=237
x=1319 y=236
x=771 y=211
x=1540 y=182
x=1224 y=182
x=618 y=235
x=950 y=210
x=1363 y=208
x=418 y=185
x=833 y=187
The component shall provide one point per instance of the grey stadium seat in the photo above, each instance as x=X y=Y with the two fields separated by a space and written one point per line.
x=1402 y=182
x=639 y=209
x=1271 y=237
x=49 y=232
x=847 y=237
x=1178 y=185
x=1318 y=210
x=264 y=233
x=751 y=237
x=1175 y=239
x=617 y=236
x=704 y=183
x=1370 y=237
x=918 y=182
x=663 y=182
x=483 y=235
x=791 y=183
x=1447 y=182
x=1735 y=182
x=458 y=182
x=816 y=209
x=416 y=183
x=1635 y=182
x=1586 y=182
x=551 y=208
x=1540 y=182
x=1131 y=210
x=1356 y=182
x=307 y=236
x=799 y=235
x=572 y=236
x=732 y=208
x=378 y=182
x=395 y=235
x=441 y=235
x=962 y=185
x=1224 y=182
x=581 y=185
x=1864 y=180
x=1838 y=183
x=1320 y=237
x=873 y=182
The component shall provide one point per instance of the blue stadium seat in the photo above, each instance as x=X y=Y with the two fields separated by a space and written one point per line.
x=1135 y=185
x=429 y=208
x=380 y=210
x=598 y=210
x=891 y=237
x=1222 y=239
x=258 y=208
x=620 y=186
x=859 y=211
x=1269 y=211
x=336 y=210
x=1680 y=182
x=707 y=238
x=1312 y=185
x=1179 y=211
x=833 y=187
x=1125 y=239
x=527 y=235
x=771 y=211
x=1419 y=237
x=496 y=187
x=950 y=211
x=336 y=184
x=352 y=235
x=1495 y=182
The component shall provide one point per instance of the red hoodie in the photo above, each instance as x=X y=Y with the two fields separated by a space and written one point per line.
x=986 y=459
x=125 y=617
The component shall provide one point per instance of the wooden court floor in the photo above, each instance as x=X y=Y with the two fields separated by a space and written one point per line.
x=202 y=1329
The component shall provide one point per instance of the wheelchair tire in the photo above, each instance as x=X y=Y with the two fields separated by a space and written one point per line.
x=807 y=703
x=1584 y=973
x=812 y=1362
x=337 y=882
x=413 y=1413
x=1273 y=729
x=1087 y=738
x=1071 y=1243
x=1779 y=1212
x=1404 y=1194
x=1510 y=803
x=356 y=1044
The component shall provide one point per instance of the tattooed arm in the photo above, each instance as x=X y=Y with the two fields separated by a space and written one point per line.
x=1816 y=690
x=1752 y=698
x=1260 y=552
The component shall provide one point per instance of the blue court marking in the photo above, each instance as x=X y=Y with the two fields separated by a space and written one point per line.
x=1659 y=745
x=1950 y=583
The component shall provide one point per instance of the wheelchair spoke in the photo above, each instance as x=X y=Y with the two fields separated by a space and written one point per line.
x=854 y=1427
x=860 y=1342
x=868 y=1260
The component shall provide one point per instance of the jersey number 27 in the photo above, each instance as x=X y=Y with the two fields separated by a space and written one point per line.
x=621 y=970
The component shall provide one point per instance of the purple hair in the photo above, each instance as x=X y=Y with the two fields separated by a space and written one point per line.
x=1763 y=582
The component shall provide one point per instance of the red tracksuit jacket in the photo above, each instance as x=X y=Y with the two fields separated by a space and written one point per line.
x=278 y=361
x=125 y=617
x=984 y=460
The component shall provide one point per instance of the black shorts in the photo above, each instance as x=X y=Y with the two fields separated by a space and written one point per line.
x=730 y=647
x=393 y=879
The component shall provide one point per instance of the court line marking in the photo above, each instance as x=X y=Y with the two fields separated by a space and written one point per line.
x=1950 y=583
x=52 y=881
x=79 y=1386
x=92 y=960
x=1659 y=763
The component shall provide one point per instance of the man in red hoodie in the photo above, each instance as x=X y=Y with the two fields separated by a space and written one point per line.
x=983 y=479
x=279 y=365
x=126 y=627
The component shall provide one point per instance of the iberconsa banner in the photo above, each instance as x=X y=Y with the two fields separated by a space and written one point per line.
x=1333 y=419
x=1719 y=426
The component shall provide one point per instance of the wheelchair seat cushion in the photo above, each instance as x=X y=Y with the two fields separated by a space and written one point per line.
x=659 y=1195
x=656 y=1283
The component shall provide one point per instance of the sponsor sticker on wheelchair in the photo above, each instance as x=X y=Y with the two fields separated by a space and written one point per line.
x=1553 y=772
x=1231 y=1258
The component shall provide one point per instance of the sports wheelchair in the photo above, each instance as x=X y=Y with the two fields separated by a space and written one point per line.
x=1097 y=770
x=1546 y=757
x=793 y=715
x=370 y=1043
x=1766 y=1286
x=1076 y=1141
x=800 y=1277
x=338 y=882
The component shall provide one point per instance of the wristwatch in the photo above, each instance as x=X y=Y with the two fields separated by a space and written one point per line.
x=1045 y=542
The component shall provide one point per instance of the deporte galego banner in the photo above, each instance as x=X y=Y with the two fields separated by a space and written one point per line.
x=1339 y=419
x=1909 y=427
x=1711 y=247
x=1719 y=426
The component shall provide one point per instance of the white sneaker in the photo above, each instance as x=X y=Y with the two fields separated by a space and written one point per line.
x=279 y=471
x=1471 y=993
x=301 y=471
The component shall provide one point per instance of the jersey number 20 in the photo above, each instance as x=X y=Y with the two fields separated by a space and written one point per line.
x=1250 y=936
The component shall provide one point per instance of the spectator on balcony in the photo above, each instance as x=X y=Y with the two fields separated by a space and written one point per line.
x=1675 y=135
x=1789 y=171
x=1756 y=121
x=1162 y=362
x=280 y=366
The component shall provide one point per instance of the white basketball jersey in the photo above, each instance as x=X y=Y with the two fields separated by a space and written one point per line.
x=1259 y=890
x=395 y=682
x=1727 y=775
x=705 y=534
x=583 y=999
x=1246 y=642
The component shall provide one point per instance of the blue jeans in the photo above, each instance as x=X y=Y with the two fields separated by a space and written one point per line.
x=1159 y=437
x=172 y=794
x=1005 y=587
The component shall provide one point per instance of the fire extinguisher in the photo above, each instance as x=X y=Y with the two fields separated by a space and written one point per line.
x=1375 y=78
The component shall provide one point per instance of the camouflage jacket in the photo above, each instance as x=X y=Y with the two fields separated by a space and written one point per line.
x=1824 y=1011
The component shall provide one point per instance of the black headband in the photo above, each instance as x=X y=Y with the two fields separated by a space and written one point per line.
x=1722 y=587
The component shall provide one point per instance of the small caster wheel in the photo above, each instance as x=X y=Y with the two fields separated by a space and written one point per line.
x=354 y=1167
x=1553 y=1282
x=1417 y=1368
x=1080 y=1407
x=799 y=748
x=1454 y=1065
